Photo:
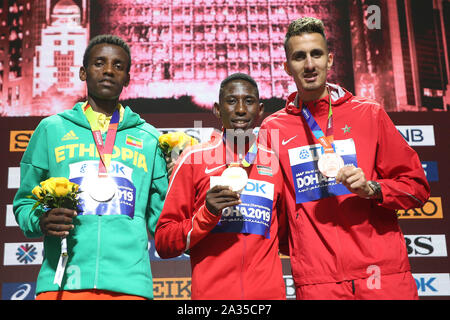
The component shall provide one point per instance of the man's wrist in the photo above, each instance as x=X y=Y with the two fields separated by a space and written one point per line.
x=376 y=188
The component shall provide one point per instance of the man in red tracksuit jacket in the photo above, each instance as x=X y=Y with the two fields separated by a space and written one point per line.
x=344 y=238
x=232 y=238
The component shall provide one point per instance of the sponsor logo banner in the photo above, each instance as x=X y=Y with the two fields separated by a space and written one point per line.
x=290 y=287
x=172 y=288
x=18 y=140
x=18 y=291
x=154 y=256
x=23 y=253
x=432 y=284
x=431 y=210
x=198 y=132
x=431 y=170
x=417 y=135
x=432 y=245
x=13 y=177
x=309 y=183
x=10 y=218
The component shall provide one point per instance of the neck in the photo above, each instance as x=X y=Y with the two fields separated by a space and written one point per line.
x=240 y=141
x=308 y=96
x=106 y=107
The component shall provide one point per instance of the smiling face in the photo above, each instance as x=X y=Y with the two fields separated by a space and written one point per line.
x=106 y=71
x=239 y=105
x=308 y=62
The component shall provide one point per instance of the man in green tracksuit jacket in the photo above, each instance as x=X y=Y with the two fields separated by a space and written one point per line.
x=107 y=240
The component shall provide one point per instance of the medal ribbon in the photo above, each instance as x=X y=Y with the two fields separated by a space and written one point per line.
x=325 y=140
x=250 y=156
x=105 y=149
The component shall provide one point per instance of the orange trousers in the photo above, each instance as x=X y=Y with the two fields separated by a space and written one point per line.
x=86 y=295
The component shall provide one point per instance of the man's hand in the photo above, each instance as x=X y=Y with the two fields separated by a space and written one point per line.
x=57 y=222
x=221 y=197
x=355 y=181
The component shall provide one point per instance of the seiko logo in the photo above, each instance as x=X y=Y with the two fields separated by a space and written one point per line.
x=18 y=140
x=432 y=209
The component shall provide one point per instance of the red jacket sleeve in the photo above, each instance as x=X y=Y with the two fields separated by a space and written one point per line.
x=402 y=178
x=181 y=225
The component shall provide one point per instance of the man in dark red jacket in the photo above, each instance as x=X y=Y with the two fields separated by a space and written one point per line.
x=231 y=235
x=346 y=170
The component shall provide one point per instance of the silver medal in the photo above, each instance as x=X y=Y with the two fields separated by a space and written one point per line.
x=102 y=189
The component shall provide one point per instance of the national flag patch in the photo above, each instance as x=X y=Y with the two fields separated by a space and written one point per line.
x=135 y=142
x=264 y=170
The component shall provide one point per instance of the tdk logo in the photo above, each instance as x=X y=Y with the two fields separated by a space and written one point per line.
x=425 y=285
x=255 y=187
x=117 y=169
x=432 y=284
x=417 y=135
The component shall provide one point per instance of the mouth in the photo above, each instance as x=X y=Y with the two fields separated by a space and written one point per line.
x=310 y=77
x=107 y=82
x=240 y=123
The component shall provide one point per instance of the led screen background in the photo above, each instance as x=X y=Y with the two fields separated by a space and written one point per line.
x=392 y=51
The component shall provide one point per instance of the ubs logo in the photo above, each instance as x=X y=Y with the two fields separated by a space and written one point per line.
x=18 y=140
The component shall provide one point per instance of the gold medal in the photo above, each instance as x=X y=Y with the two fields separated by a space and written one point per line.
x=235 y=177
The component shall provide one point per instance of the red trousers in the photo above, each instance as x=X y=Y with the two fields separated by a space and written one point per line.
x=397 y=286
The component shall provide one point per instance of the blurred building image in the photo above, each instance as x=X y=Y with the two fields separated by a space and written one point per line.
x=186 y=47
x=59 y=56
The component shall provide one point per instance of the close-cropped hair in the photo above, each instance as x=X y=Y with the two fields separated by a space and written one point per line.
x=109 y=39
x=238 y=76
x=304 y=25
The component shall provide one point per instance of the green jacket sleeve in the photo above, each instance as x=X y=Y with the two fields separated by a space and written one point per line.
x=33 y=170
x=158 y=191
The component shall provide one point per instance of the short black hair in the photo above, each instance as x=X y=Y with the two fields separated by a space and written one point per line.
x=238 y=76
x=304 y=25
x=110 y=39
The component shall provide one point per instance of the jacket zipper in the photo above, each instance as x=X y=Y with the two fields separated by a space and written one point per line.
x=243 y=268
x=98 y=251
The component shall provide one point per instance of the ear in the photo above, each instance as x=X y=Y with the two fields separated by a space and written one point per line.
x=127 y=81
x=82 y=74
x=261 y=109
x=216 y=110
x=286 y=68
x=330 y=60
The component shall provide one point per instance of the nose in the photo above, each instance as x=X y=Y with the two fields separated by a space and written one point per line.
x=309 y=65
x=240 y=109
x=108 y=69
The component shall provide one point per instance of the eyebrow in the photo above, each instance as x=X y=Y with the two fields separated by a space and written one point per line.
x=315 y=50
x=104 y=58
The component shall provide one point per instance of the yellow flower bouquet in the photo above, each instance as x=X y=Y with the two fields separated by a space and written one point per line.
x=56 y=192
x=52 y=193
x=173 y=143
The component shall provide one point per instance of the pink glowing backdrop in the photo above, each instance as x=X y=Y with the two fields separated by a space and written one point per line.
x=184 y=48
